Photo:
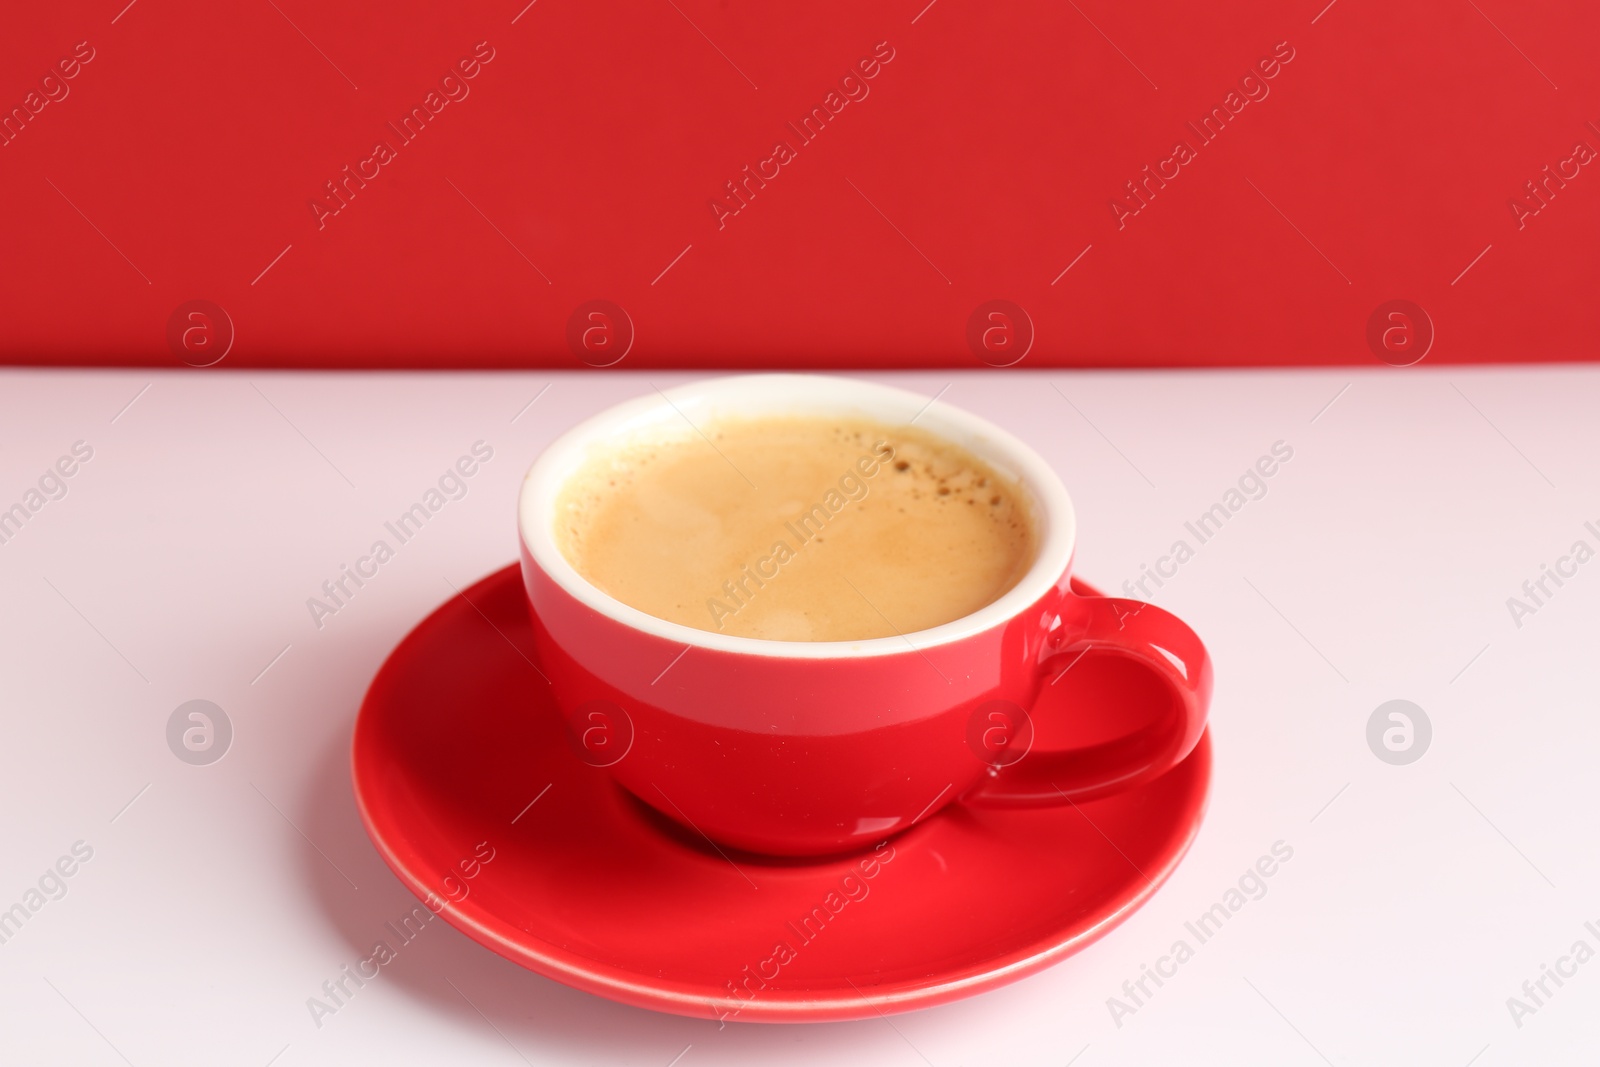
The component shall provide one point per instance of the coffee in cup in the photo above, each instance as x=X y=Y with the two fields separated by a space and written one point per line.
x=797 y=528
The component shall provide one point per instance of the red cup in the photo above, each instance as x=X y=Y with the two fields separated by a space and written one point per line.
x=804 y=748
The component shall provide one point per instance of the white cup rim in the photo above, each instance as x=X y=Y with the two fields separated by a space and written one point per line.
x=778 y=394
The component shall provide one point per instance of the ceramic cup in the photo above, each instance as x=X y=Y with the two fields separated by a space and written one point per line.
x=808 y=748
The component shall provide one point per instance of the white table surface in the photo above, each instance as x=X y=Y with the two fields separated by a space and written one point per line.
x=1378 y=566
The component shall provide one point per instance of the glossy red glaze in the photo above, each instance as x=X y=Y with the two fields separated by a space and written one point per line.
x=815 y=756
x=813 y=748
x=1147 y=636
x=458 y=734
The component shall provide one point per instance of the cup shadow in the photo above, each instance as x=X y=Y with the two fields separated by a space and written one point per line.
x=698 y=842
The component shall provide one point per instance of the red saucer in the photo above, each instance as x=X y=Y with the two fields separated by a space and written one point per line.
x=459 y=755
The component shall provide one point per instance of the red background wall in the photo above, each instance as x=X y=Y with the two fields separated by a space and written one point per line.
x=183 y=159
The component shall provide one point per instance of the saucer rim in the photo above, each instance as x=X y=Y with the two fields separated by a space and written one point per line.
x=543 y=957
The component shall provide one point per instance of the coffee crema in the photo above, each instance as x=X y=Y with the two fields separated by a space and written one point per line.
x=797 y=528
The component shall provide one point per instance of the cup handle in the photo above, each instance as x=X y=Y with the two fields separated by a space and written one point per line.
x=1160 y=642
